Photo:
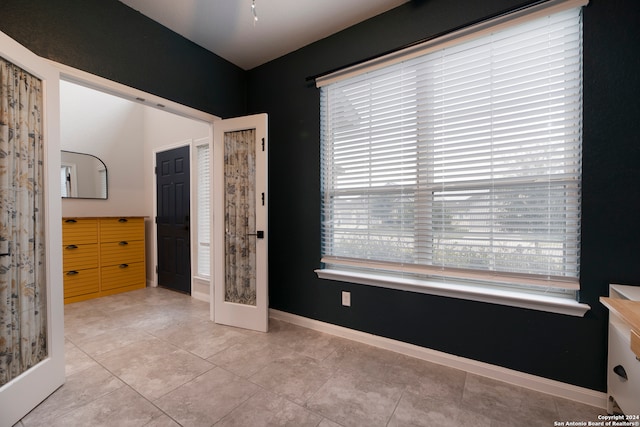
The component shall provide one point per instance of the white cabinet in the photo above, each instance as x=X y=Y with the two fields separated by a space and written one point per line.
x=623 y=367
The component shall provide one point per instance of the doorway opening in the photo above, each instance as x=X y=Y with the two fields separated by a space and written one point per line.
x=131 y=157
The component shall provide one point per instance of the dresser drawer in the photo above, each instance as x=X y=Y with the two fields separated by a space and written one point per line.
x=625 y=392
x=119 y=229
x=78 y=231
x=102 y=256
x=79 y=257
x=122 y=275
x=123 y=252
x=81 y=282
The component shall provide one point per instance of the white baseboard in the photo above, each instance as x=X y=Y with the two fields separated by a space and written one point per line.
x=533 y=382
x=201 y=296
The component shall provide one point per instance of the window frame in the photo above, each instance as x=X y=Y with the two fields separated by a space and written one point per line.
x=199 y=234
x=521 y=290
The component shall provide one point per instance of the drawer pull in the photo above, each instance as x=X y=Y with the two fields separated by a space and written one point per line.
x=72 y=247
x=72 y=273
x=123 y=220
x=123 y=243
x=619 y=370
x=70 y=221
x=124 y=265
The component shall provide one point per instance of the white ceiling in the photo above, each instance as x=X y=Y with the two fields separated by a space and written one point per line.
x=227 y=27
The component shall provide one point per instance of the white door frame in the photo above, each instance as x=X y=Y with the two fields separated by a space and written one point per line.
x=23 y=393
x=92 y=81
x=195 y=219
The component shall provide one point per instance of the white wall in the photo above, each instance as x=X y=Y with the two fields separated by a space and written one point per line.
x=124 y=135
x=111 y=129
x=162 y=131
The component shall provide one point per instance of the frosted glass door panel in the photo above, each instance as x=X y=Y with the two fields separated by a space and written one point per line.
x=240 y=216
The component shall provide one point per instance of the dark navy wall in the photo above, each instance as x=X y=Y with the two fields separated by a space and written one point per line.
x=559 y=347
x=111 y=40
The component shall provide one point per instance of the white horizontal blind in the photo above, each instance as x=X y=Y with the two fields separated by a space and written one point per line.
x=465 y=158
x=204 y=211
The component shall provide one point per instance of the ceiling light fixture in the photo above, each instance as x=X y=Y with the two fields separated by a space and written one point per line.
x=253 y=10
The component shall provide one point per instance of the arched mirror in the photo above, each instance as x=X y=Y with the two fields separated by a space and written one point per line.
x=82 y=176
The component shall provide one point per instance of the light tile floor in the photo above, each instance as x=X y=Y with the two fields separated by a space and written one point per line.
x=152 y=358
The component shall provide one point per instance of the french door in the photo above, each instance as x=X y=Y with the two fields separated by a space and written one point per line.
x=240 y=294
x=27 y=389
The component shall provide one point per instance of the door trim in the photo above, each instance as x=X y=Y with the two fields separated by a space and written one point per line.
x=195 y=219
x=101 y=84
x=129 y=93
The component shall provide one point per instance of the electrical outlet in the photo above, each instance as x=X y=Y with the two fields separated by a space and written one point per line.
x=346 y=298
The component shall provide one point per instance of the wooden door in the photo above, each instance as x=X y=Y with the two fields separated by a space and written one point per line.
x=172 y=220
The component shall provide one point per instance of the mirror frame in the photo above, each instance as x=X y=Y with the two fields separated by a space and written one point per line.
x=106 y=171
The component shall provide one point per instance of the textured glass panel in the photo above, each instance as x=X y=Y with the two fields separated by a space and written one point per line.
x=23 y=317
x=240 y=217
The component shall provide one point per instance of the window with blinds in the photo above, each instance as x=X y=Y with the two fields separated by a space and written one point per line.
x=461 y=162
x=204 y=211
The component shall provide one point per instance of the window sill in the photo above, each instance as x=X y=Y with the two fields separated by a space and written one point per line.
x=547 y=303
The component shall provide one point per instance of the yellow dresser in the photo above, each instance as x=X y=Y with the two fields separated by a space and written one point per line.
x=102 y=256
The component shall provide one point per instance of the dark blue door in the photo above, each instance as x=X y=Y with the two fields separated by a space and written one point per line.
x=174 y=259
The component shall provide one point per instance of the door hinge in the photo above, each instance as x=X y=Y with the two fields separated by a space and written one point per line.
x=156 y=269
x=262 y=199
x=262 y=144
x=156 y=220
x=155 y=170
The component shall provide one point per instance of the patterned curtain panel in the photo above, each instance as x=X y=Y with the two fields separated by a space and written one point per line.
x=23 y=329
x=240 y=217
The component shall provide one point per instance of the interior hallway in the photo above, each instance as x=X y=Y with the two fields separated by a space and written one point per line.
x=152 y=358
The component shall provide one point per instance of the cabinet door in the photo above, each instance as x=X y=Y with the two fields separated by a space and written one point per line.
x=122 y=276
x=622 y=362
x=78 y=231
x=78 y=283
x=79 y=257
x=121 y=252
x=121 y=229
